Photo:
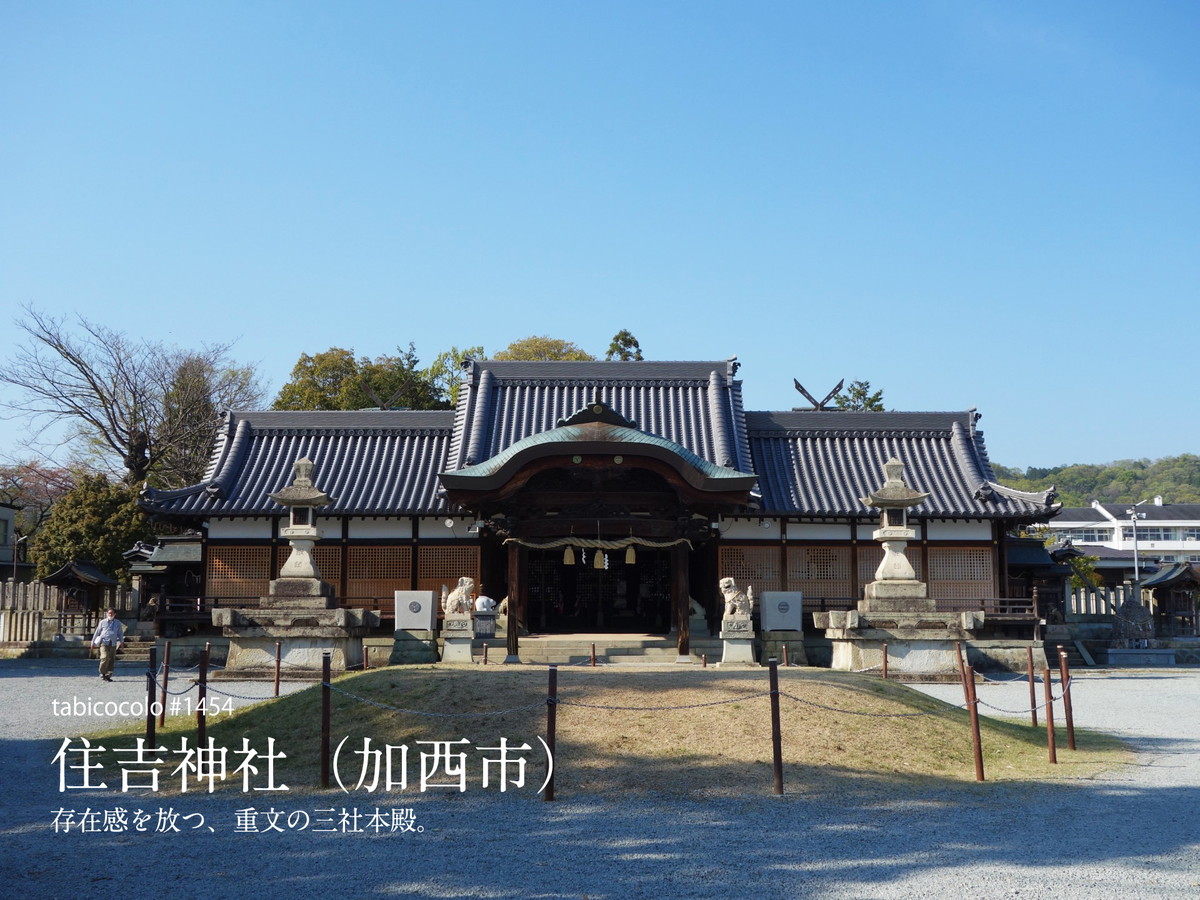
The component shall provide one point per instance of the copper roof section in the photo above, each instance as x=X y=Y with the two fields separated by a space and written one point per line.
x=596 y=429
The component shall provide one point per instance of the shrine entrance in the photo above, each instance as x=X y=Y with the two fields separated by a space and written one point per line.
x=620 y=597
x=596 y=484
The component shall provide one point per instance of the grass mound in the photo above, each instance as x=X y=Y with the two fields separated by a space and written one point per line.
x=694 y=732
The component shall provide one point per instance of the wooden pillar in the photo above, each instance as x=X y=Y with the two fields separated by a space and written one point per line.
x=1000 y=559
x=516 y=583
x=679 y=597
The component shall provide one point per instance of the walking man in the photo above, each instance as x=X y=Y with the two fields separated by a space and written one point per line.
x=109 y=637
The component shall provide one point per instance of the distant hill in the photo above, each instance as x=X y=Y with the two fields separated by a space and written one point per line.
x=1175 y=478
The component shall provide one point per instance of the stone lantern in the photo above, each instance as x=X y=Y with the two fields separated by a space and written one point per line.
x=299 y=620
x=301 y=498
x=895 y=578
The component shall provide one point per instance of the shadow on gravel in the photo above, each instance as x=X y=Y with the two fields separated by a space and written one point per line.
x=853 y=835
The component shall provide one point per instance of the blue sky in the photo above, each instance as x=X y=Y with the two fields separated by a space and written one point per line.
x=991 y=204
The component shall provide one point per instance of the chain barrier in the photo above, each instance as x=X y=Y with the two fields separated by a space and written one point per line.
x=561 y=702
x=852 y=712
x=565 y=702
x=1064 y=690
x=417 y=712
x=217 y=690
x=1013 y=679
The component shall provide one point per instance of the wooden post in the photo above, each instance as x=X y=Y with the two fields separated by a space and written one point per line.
x=776 y=731
x=325 y=679
x=885 y=660
x=151 y=717
x=515 y=582
x=962 y=672
x=1032 y=689
x=593 y=654
x=162 y=713
x=1049 y=716
x=785 y=656
x=278 y=664
x=679 y=598
x=973 y=707
x=485 y=649
x=1064 y=677
x=551 y=725
x=202 y=694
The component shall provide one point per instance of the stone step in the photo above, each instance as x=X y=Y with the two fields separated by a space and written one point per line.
x=568 y=651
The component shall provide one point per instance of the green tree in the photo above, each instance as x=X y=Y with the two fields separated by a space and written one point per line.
x=98 y=521
x=859 y=398
x=624 y=347
x=335 y=379
x=1175 y=478
x=541 y=347
x=444 y=372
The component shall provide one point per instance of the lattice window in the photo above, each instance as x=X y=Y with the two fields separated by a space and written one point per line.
x=437 y=566
x=819 y=571
x=238 y=571
x=757 y=567
x=328 y=559
x=871 y=555
x=960 y=573
x=376 y=572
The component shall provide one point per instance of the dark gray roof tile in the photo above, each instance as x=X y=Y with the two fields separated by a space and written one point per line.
x=820 y=463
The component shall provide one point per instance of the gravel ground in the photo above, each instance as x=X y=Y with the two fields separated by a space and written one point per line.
x=1129 y=833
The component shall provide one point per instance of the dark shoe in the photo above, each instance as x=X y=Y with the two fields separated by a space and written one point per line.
x=106 y=677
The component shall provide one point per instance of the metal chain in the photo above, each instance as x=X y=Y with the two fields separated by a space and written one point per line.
x=851 y=712
x=561 y=702
x=1066 y=689
x=217 y=690
x=433 y=715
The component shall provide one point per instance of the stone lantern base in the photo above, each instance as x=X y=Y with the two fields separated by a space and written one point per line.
x=301 y=615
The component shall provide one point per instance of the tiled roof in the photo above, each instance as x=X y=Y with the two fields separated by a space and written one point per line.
x=1171 y=575
x=372 y=462
x=808 y=462
x=697 y=405
x=820 y=462
x=1168 y=512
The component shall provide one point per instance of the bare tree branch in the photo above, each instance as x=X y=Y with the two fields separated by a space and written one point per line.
x=130 y=402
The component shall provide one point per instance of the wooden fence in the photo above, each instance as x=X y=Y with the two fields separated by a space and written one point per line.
x=35 y=611
x=35 y=596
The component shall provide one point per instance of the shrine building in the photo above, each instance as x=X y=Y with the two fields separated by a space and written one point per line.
x=601 y=497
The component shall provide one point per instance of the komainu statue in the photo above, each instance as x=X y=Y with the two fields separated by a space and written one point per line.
x=737 y=602
x=458 y=601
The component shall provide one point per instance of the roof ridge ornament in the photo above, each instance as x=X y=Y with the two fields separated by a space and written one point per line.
x=818 y=404
x=598 y=411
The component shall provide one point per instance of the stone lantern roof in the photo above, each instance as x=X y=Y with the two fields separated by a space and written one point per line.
x=894 y=494
x=302 y=492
